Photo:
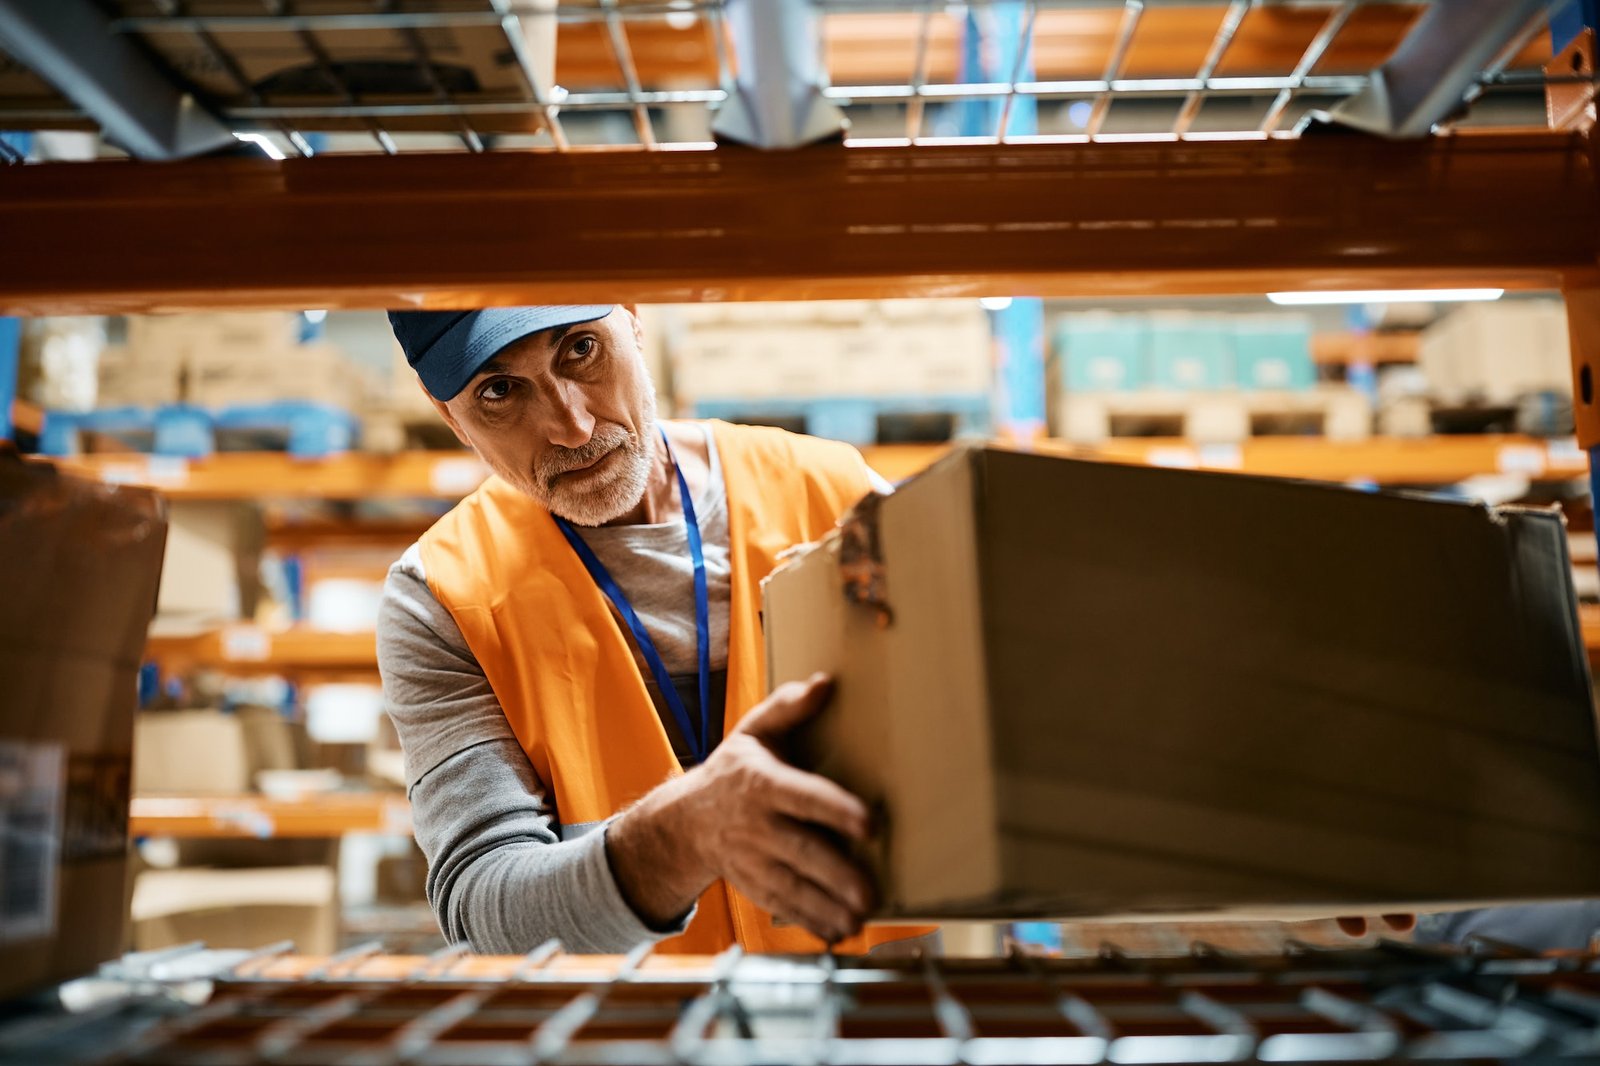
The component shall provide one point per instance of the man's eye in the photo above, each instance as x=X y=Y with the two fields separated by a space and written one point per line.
x=583 y=347
x=495 y=390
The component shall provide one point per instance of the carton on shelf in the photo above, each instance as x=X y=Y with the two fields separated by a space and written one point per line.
x=247 y=908
x=1100 y=351
x=1097 y=690
x=1191 y=351
x=194 y=752
x=724 y=362
x=211 y=574
x=1496 y=353
x=79 y=563
x=185 y=335
x=854 y=349
x=59 y=359
x=139 y=378
x=1273 y=352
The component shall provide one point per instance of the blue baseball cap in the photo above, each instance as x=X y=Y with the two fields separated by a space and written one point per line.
x=446 y=348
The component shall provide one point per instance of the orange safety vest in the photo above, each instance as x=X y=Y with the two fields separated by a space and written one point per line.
x=566 y=677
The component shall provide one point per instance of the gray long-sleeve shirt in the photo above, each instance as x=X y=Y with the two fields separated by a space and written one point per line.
x=504 y=873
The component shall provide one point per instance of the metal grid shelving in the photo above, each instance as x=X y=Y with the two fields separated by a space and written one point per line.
x=1391 y=1001
x=479 y=74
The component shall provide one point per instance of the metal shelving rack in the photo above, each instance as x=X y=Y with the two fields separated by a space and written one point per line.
x=1390 y=1002
x=1268 y=55
x=505 y=205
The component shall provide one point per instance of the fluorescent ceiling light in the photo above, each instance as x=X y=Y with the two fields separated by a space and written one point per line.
x=1384 y=296
x=261 y=141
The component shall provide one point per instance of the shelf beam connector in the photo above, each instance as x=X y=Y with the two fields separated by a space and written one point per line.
x=1436 y=68
x=775 y=99
x=70 y=44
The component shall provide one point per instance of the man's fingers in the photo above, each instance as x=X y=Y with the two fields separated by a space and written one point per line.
x=813 y=798
x=781 y=890
x=819 y=860
x=790 y=704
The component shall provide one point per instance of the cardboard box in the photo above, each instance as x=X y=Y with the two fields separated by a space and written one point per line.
x=727 y=362
x=1190 y=351
x=1103 y=352
x=228 y=374
x=1496 y=353
x=929 y=349
x=142 y=378
x=1116 y=690
x=196 y=752
x=184 y=336
x=213 y=559
x=1273 y=352
x=79 y=563
x=237 y=908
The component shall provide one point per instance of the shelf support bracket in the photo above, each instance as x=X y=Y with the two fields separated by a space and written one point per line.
x=1431 y=74
x=775 y=99
x=70 y=43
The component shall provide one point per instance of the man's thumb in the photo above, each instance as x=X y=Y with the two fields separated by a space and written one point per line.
x=790 y=704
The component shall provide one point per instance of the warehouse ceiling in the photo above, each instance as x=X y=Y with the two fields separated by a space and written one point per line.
x=397 y=76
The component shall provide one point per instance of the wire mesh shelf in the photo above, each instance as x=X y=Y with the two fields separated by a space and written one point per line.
x=473 y=75
x=1390 y=1001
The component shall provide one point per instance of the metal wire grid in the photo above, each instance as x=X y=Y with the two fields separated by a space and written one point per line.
x=1391 y=1001
x=545 y=103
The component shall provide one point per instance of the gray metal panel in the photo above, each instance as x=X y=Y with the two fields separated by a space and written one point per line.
x=1437 y=68
x=70 y=44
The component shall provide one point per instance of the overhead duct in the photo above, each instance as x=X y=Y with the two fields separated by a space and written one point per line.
x=775 y=100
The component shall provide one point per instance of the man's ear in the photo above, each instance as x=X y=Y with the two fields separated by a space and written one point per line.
x=445 y=413
x=638 y=326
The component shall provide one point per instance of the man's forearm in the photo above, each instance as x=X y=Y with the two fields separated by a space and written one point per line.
x=499 y=878
x=658 y=865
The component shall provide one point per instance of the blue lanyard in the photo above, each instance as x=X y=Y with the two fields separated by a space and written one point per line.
x=699 y=741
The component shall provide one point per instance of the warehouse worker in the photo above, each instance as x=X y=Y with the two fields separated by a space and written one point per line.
x=573 y=658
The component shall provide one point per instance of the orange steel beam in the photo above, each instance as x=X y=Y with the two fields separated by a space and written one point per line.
x=317 y=815
x=1124 y=218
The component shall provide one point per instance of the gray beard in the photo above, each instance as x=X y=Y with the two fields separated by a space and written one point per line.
x=624 y=487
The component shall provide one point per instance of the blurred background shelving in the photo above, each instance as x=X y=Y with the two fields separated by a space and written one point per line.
x=300 y=458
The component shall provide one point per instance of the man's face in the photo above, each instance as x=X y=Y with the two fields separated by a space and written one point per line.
x=566 y=416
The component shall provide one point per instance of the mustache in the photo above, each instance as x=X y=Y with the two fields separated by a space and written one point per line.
x=565 y=460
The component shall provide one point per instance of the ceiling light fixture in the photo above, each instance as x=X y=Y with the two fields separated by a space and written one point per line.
x=1384 y=296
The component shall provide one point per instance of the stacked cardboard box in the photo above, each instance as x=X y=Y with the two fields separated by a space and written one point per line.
x=244 y=908
x=1101 y=351
x=1497 y=353
x=222 y=360
x=213 y=559
x=1083 y=689
x=837 y=348
x=79 y=563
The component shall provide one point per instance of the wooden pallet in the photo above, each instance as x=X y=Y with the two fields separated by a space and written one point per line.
x=1335 y=412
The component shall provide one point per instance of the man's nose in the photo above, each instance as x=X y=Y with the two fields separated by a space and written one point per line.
x=570 y=423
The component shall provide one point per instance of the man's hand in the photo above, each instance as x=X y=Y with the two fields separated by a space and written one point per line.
x=776 y=833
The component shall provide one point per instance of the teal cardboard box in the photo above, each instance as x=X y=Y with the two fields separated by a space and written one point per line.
x=1103 y=352
x=1191 y=352
x=1273 y=352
